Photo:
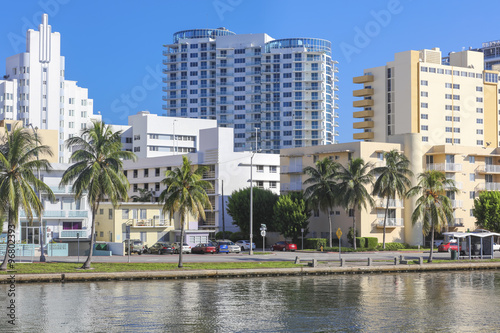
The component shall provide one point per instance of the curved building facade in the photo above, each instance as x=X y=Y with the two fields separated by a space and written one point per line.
x=280 y=90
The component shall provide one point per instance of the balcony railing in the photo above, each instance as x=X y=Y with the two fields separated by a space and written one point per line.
x=456 y=203
x=489 y=187
x=449 y=167
x=290 y=187
x=390 y=222
x=457 y=222
x=290 y=169
x=152 y=223
x=73 y=233
x=458 y=185
x=489 y=168
x=393 y=203
x=59 y=214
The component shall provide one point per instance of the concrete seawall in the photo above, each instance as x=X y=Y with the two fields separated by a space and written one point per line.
x=239 y=273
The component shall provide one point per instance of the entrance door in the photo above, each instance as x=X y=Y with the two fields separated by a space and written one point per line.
x=30 y=235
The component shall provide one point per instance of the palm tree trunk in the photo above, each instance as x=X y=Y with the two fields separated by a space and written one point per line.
x=354 y=227
x=11 y=226
x=385 y=221
x=86 y=264
x=181 y=241
x=330 y=228
x=432 y=244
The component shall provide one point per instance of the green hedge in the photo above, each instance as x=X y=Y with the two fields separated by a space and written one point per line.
x=315 y=243
x=361 y=242
x=393 y=246
x=371 y=242
x=219 y=235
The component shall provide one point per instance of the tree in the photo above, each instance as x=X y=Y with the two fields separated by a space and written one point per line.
x=487 y=210
x=433 y=207
x=291 y=215
x=98 y=169
x=352 y=187
x=322 y=192
x=185 y=194
x=392 y=180
x=238 y=207
x=18 y=183
x=145 y=195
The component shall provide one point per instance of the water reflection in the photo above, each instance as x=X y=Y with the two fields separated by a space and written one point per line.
x=457 y=302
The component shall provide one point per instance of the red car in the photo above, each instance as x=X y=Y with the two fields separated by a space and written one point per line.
x=448 y=247
x=204 y=248
x=284 y=246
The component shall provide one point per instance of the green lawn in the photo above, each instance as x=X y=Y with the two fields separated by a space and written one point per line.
x=41 y=268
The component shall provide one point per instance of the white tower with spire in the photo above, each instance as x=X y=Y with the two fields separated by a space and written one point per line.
x=34 y=89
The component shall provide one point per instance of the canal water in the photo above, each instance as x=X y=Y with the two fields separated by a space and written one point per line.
x=405 y=302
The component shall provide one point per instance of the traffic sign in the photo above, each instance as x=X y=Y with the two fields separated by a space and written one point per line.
x=339 y=233
x=263 y=233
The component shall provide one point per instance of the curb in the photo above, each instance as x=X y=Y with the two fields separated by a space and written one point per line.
x=239 y=273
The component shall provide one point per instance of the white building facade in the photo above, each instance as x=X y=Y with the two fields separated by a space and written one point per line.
x=35 y=91
x=228 y=171
x=284 y=88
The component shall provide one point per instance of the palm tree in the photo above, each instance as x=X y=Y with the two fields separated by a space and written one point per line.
x=18 y=183
x=352 y=187
x=185 y=193
x=392 y=180
x=433 y=206
x=322 y=193
x=145 y=195
x=98 y=169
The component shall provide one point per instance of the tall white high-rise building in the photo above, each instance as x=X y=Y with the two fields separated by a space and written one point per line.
x=281 y=90
x=34 y=89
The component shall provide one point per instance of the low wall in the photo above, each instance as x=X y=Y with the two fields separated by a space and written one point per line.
x=117 y=249
x=194 y=274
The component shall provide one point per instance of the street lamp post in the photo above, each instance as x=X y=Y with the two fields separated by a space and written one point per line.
x=42 y=230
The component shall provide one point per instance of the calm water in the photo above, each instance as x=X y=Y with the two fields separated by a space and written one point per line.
x=454 y=302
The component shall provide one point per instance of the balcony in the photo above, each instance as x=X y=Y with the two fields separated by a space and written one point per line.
x=363 y=124
x=447 y=167
x=57 y=214
x=456 y=203
x=457 y=222
x=389 y=223
x=363 y=136
x=74 y=233
x=363 y=92
x=393 y=203
x=488 y=168
x=488 y=187
x=363 y=103
x=458 y=185
x=291 y=169
x=362 y=79
x=290 y=187
x=149 y=223
x=363 y=114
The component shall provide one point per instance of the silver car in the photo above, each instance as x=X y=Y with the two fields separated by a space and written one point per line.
x=227 y=246
x=185 y=247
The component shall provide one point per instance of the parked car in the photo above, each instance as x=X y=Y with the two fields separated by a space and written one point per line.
x=284 y=246
x=136 y=246
x=438 y=242
x=204 y=248
x=496 y=247
x=185 y=247
x=447 y=247
x=161 y=248
x=245 y=245
x=227 y=246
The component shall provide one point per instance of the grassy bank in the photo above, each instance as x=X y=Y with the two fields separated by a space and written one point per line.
x=43 y=268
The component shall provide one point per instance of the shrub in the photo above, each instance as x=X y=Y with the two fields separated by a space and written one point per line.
x=219 y=235
x=360 y=242
x=315 y=243
x=236 y=236
x=394 y=246
x=371 y=242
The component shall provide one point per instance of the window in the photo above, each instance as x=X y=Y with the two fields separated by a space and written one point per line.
x=448 y=118
x=472 y=195
x=125 y=214
x=424 y=116
x=424 y=94
x=479 y=99
x=146 y=172
x=479 y=121
x=424 y=105
x=101 y=211
x=448 y=129
x=479 y=142
x=472 y=159
x=479 y=131
x=110 y=213
x=424 y=83
x=424 y=128
x=425 y=139
x=479 y=88
x=272 y=184
x=472 y=177
x=260 y=168
x=272 y=169
x=448 y=140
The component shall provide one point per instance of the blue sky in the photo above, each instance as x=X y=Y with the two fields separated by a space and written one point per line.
x=114 y=48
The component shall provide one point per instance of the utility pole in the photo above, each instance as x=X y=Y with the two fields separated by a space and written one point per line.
x=223 y=213
x=251 y=194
